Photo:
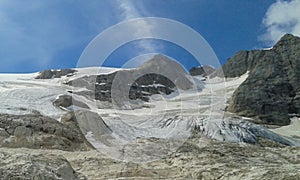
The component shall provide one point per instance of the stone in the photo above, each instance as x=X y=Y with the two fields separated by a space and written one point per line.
x=22 y=131
x=35 y=166
x=66 y=101
x=88 y=122
x=37 y=131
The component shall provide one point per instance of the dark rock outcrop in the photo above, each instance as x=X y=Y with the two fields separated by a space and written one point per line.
x=159 y=75
x=50 y=74
x=240 y=63
x=201 y=70
x=272 y=90
x=37 y=131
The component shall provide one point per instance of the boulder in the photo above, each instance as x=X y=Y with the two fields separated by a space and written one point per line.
x=66 y=101
x=30 y=166
x=37 y=131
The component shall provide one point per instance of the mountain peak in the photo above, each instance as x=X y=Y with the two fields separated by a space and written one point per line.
x=288 y=36
x=287 y=39
x=160 y=58
x=162 y=62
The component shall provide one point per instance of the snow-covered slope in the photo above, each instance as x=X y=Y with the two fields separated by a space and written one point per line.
x=171 y=118
x=23 y=94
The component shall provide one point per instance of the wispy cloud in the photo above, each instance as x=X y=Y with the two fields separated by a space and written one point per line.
x=282 y=17
x=128 y=10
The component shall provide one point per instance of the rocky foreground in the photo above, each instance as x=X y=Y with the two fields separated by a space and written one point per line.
x=196 y=159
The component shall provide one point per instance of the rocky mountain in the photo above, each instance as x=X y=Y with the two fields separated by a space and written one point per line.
x=159 y=75
x=272 y=90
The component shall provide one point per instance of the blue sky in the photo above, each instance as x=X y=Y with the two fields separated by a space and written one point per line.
x=37 y=35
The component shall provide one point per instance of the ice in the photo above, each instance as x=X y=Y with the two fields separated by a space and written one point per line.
x=171 y=117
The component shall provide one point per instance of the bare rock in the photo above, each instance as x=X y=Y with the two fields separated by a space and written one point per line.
x=22 y=131
x=159 y=75
x=272 y=90
x=50 y=74
x=201 y=70
x=25 y=166
x=37 y=131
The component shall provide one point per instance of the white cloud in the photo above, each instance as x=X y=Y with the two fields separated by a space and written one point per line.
x=282 y=17
x=130 y=11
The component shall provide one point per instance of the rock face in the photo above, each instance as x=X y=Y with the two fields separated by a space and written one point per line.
x=27 y=166
x=50 y=74
x=37 y=131
x=240 y=63
x=201 y=70
x=159 y=75
x=272 y=90
x=90 y=123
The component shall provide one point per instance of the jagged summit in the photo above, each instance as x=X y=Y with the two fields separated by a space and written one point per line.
x=287 y=40
x=244 y=61
x=204 y=70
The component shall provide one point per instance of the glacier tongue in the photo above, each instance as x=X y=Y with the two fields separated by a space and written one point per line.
x=237 y=131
